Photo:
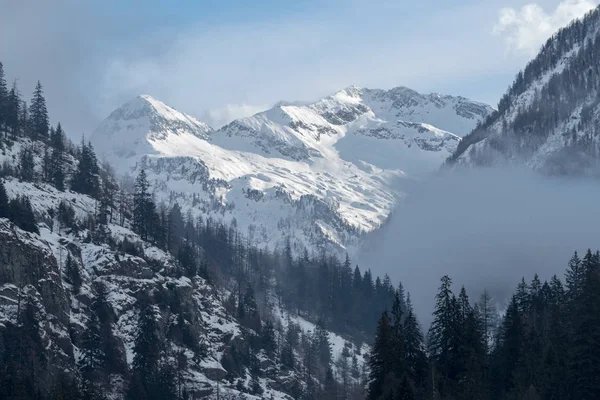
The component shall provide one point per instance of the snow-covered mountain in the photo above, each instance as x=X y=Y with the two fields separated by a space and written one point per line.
x=549 y=118
x=320 y=173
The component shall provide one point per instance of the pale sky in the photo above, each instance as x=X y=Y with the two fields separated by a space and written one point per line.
x=223 y=59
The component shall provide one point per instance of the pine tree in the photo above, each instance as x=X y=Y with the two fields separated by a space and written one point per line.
x=444 y=339
x=38 y=114
x=3 y=101
x=92 y=352
x=489 y=316
x=57 y=159
x=414 y=347
x=288 y=359
x=143 y=207
x=73 y=274
x=147 y=346
x=398 y=340
x=574 y=277
x=323 y=346
x=268 y=342
x=21 y=213
x=585 y=353
x=4 y=208
x=13 y=108
x=508 y=354
x=381 y=361
x=86 y=178
x=27 y=164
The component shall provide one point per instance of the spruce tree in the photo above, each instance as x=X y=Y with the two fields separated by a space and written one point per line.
x=444 y=339
x=574 y=277
x=508 y=354
x=21 y=213
x=414 y=347
x=143 y=207
x=93 y=358
x=86 y=178
x=38 y=114
x=398 y=339
x=4 y=208
x=27 y=164
x=147 y=345
x=73 y=273
x=3 y=102
x=57 y=159
x=585 y=352
x=381 y=360
x=13 y=108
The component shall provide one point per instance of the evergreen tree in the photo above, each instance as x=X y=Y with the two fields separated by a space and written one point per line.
x=4 y=208
x=398 y=340
x=92 y=358
x=21 y=213
x=414 y=347
x=574 y=277
x=489 y=316
x=57 y=159
x=73 y=274
x=381 y=360
x=38 y=115
x=444 y=339
x=27 y=164
x=509 y=350
x=3 y=101
x=268 y=342
x=585 y=353
x=322 y=347
x=13 y=108
x=86 y=178
x=288 y=359
x=143 y=207
x=147 y=347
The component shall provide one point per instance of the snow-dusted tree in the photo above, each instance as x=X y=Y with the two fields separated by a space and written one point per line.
x=38 y=115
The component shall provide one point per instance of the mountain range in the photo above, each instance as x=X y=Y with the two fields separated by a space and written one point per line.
x=318 y=174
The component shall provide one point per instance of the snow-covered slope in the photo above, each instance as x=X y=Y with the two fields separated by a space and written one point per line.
x=549 y=118
x=194 y=317
x=319 y=173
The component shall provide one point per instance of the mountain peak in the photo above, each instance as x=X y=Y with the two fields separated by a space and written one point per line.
x=134 y=128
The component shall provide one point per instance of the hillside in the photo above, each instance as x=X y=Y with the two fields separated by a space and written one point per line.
x=106 y=293
x=548 y=120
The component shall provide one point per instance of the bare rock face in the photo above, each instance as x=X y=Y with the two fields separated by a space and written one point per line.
x=24 y=261
x=30 y=274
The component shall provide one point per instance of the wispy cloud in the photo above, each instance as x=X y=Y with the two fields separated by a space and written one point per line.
x=526 y=29
x=217 y=117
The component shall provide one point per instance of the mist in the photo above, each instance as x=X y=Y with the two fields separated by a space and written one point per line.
x=485 y=229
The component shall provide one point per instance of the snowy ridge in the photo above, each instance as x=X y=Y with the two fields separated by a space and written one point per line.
x=320 y=173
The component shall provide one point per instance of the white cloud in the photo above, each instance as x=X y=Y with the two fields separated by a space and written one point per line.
x=526 y=30
x=221 y=116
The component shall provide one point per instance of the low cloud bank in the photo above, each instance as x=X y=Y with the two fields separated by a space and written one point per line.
x=485 y=229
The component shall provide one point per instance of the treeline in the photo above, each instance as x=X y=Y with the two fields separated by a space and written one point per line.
x=546 y=346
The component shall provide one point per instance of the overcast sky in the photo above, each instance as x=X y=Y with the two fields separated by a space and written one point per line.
x=222 y=59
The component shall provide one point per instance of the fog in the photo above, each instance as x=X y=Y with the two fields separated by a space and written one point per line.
x=485 y=229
